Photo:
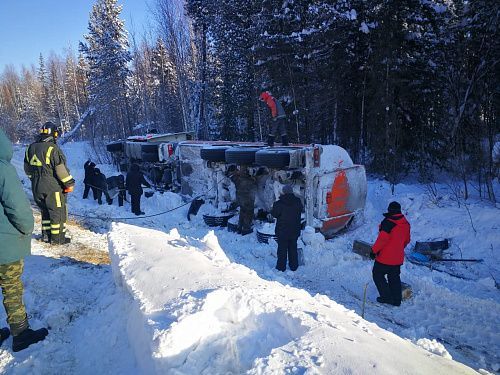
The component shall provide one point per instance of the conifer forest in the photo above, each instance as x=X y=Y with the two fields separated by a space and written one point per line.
x=406 y=86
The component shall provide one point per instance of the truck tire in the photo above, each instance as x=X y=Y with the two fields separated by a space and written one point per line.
x=149 y=148
x=241 y=155
x=273 y=158
x=114 y=147
x=214 y=153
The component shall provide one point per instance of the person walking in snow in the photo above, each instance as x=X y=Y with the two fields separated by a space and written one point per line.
x=45 y=165
x=388 y=252
x=87 y=181
x=278 y=115
x=16 y=226
x=287 y=211
x=134 y=181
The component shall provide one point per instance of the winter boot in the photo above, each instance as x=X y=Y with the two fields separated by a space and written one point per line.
x=28 y=337
x=60 y=240
x=244 y=232
x=270 y=141
x=4 y=334
x=45 y=236
x=284 y=140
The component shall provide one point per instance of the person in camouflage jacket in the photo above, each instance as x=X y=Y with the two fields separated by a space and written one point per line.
x=16 y=226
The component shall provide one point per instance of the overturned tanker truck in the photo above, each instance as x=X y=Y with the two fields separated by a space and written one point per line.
x=155 y=155
x=331 y=187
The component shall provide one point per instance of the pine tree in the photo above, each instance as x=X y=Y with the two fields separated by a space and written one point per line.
x=107 y=54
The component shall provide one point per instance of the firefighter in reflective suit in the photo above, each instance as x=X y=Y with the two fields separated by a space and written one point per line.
x=45 y=165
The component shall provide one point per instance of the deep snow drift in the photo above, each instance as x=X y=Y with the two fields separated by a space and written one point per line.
x=191 y=299
x=195 y=312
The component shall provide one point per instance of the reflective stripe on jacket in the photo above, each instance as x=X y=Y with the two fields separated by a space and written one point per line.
x=45 y=163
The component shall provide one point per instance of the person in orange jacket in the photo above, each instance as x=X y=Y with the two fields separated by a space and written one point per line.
x=278 y=115
x=388 y=252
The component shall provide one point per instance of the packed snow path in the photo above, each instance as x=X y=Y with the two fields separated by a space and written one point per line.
x=70 y=290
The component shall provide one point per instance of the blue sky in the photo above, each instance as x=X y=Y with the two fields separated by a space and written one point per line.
x=31 y=27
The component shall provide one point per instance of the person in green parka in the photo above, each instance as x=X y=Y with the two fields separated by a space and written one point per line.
x=16 y=226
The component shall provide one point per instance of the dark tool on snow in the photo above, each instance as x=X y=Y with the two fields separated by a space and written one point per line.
x=422 y=258
x=362 y=248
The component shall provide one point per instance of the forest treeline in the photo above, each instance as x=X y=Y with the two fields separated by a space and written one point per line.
x=403 y=85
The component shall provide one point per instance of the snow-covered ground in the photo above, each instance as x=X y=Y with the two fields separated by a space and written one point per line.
x=181 y=298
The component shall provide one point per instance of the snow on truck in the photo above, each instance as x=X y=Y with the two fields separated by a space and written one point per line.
x=331 y=187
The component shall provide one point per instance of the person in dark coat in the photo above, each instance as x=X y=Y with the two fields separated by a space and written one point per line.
x=287 y=210
x=87 y=181
x=135 y=180
x=101 y=186
x=245 y=198
x=16 y=226
x=278 y=115
x=388 y=252
x=116 y=187
x=45 y=165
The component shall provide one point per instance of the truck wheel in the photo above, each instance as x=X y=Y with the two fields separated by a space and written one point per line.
x=149 y=149
x=241 y=155
x=273 y=158
x=217 y=221
x=214 y=153
x=114 y=147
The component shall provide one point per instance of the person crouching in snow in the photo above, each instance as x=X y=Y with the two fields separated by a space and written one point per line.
x=287 y=211
x=134 y=181
x=101 y=186
x=278 y=115
x=388 y=252
x=116 y=187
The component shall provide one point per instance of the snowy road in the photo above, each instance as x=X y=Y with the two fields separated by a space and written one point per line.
x=71 y=291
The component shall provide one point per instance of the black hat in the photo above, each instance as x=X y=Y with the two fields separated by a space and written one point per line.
x=394 y=208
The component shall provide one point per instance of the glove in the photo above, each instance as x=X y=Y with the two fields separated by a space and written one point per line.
x=69 y=189
x=372 y=255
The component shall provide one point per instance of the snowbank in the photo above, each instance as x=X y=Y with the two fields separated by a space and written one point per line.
x=192 y=311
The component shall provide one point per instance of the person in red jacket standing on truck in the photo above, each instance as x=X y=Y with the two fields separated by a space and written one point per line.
x=388 y=252
x=278 y=115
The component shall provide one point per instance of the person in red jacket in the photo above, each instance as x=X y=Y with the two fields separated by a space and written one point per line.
x=278 y=115
x=388 y=252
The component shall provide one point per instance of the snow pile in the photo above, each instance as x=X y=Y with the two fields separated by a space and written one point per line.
x=212 y=249
x=312 y=239
x=434 y=347
x=194 y=312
